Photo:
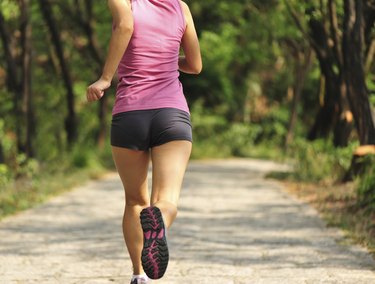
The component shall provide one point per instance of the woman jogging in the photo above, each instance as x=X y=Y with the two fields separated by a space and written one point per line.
x=150 y=120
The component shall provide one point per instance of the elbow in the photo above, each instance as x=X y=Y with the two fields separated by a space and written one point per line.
x=196 y=69
x=125 y=27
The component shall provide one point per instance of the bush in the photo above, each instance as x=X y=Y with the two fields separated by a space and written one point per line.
x=241 y=138
x=366 y=184
x=215 y=137
x=85 y=157
x=26 y=167
x=274 y=126
x=5 y=176
x=319 y=161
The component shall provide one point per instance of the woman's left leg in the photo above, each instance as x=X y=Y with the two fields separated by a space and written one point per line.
x=169 y=162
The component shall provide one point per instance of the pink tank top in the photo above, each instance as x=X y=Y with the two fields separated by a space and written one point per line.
x=148 y=71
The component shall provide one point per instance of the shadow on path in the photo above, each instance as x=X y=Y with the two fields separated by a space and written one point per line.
x=233 y=227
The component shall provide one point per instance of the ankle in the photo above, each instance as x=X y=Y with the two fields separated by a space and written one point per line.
x=168 y=210
x=138 y=272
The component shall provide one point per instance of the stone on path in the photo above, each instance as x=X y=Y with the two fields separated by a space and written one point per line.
x=233 y=227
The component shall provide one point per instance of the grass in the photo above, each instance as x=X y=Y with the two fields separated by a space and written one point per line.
x=26 y=193
x=338 y=206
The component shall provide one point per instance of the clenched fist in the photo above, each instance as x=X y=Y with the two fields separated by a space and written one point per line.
x=96 y=90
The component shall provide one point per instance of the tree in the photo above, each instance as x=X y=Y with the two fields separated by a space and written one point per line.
x=19 y=77
x=354 y=71
x=302 y=57
x=82 y=16
x=27 y=108
x=70 y=120
x=337 y=59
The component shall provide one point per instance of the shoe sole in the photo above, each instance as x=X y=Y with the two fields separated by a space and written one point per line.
x=155 y=255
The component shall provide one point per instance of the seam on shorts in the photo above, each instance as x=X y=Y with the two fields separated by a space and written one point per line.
x=129 y=147
x=172 y=139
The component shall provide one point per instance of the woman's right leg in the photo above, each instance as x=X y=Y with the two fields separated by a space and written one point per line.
x=132 y=167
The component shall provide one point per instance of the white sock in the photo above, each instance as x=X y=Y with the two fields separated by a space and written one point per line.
x=139 y=276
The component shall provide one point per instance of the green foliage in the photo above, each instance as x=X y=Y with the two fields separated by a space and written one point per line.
x=26 y=167
x=220 y=50
x=215 y=137
x=50 y=181
x=274 y=125
x=9 y=8
x=84 y=156
x=241 y=138
x=238 y=40
x=366 y=184
x=5 y=175
x=207 y=133
x=319 y=161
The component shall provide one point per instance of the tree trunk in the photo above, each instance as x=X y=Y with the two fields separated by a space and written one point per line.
x=98 y=57
x=11 y=65
x=302 y=65
x=14 y=84
x=357 y=92
x=70 y=121
x=343 y=126
x=85 y=19
x=27 y=108
x=327 y=115
x=329 y=112
x=88 y=26
x=326 y=44
x=2 y=158
x=369 y=19
x=333 y=113
x=343 y=129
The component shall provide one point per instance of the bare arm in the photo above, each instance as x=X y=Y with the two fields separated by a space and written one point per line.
x=121 y=34
x=191 y=62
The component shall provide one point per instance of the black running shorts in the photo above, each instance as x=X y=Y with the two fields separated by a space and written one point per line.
x=144 y=129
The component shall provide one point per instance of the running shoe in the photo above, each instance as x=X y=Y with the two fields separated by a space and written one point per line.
x=155 y=253
x=141 y=280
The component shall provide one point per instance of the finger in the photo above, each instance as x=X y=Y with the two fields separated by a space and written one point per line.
x=98 y=94
x=89 y=94
x=89 y=98
x=92 y=97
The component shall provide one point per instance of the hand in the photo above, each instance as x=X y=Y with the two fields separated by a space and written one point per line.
x=96 y=90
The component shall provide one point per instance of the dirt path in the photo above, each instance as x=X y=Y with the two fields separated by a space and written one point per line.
x=233 y=227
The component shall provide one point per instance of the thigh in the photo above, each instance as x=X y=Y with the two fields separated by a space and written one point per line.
x=169 y=162
x=132 y=167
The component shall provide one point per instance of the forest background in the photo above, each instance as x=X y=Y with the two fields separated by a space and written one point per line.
x=286 y=80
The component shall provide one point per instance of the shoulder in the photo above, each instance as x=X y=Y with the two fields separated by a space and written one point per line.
x=185 y=10
x=119 y=3
x=184 y=6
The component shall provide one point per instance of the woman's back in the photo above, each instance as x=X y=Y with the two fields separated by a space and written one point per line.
x=148 y=72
